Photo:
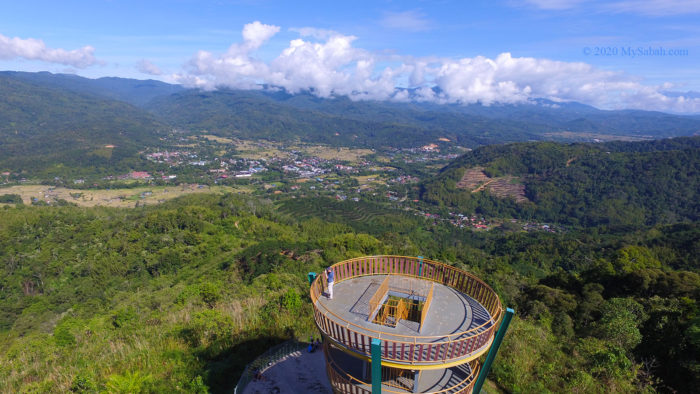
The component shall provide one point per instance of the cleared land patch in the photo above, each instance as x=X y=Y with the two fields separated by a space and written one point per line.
x=584 y=136
x=508 y=186
x=252 y=150
x=332 y=153
x=123 y=198
x=255 y=150
x=218 y=139
x=475 y=180
x=363 y=179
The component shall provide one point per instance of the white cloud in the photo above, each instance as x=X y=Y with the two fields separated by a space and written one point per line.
x=334 y=67
x=256 y=33
x=642 y=7
x=149 y=68
x=236 y=68
x=33 y=49
x=320 y=34
x=406 y=20
x=656 y=7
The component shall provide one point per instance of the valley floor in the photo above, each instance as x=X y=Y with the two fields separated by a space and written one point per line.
x=118 y=198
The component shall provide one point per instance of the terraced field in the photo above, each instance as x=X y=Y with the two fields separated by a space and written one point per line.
x=475 y=180
x=359 y=215
x=508 y=186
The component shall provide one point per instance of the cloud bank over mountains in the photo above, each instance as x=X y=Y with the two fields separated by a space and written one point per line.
x=327 y=64
x=33 y=49
x=146 y=67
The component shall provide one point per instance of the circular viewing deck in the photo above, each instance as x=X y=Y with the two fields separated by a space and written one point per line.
x=454 y=317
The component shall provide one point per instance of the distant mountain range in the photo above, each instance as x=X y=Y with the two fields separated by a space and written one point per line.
x=133 y=91
x=42 y=125
x=58 y=118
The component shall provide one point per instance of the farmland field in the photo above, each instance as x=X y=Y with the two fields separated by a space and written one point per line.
x=476 y=180
x=331 y=153
x=218 y=139
x=584 y=136
x=124 y=198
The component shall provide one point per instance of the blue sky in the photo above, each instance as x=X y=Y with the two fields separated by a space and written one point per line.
x=559 y=49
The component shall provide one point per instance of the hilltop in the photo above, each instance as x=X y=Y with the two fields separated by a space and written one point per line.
x=180 y=296
x=634 y=183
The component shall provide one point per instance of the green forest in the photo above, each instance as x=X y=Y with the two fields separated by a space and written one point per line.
x=613 y=184
x=179 y=297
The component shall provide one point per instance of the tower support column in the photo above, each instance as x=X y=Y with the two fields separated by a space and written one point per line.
x=376 y=366
x=416 y=378
x=493 y=350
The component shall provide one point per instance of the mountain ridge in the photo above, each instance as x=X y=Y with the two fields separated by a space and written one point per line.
x=54 y=119
x=539 y=112
x=43 y=126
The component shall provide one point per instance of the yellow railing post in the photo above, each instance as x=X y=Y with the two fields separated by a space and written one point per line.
x=426 y=306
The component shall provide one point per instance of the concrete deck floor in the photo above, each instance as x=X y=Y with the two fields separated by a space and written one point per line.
x=450 y=312
x=302 y=372
x=299 y=372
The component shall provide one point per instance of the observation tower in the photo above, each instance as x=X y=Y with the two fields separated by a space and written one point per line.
x=401 y=324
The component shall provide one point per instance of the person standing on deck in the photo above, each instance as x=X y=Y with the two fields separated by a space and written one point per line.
x=330 y=278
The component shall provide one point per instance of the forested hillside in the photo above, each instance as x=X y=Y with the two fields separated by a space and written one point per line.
x=581 y=184
x=250 y=114
x=534 y=117
x=595 y=246
x=133 y=91
x=178 y=297
x=58 y=110
x=278 y=115
x=42 y=128
x=578 y=117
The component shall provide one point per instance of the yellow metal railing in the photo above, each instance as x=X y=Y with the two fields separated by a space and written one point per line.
x=376 y=301
x=395 y=309
x=401 y=310
x=378 y=312
x=344 y=382
x=409 y=349
x=398 y=378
